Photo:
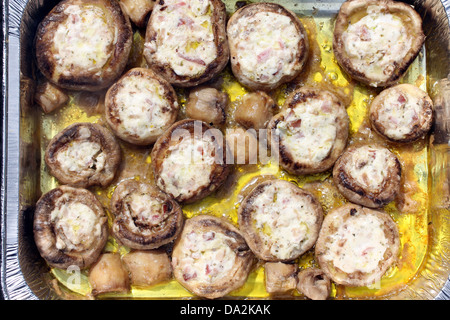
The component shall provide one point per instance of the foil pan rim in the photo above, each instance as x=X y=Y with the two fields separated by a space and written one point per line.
x=13 y=283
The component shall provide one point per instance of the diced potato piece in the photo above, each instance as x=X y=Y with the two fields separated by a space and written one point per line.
x=280 y=277
x=207 y=104
x=148 y=268
x=50 y=97
x=137 y=10
x=108 y=274
x=255 y=110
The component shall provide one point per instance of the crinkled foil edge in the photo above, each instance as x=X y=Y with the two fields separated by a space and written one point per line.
x=20 y=279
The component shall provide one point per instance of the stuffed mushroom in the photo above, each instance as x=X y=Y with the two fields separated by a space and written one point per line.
x=145 y=217
x=140 y=106
x=311 y=131
x=268 y=45
x=70 y=227
x=279 y=220
x=368 y=175
x=211 y=257
x=189 y=160
x=402 y=113
x=357 y=245
x=186 y=40
x=375 y=41
x=83 y=154
x=83 y=44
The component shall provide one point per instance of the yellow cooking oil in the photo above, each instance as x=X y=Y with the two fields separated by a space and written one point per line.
x=410 y=210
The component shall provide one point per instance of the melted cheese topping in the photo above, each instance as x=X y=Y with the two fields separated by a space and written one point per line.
x=377 y=42
x=185 y=37
x=187 y=167
x=81 y=156
x=399 y=113
x=308 y=130
x=266 y=46
x=284 y=220
x=142 y=107
x=369 y=167
x=207 y=256
x=77 y=226
x=358 y=244
x=83 y=40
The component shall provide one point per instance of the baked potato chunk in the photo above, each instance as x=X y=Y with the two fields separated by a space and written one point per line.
x=207 y=104
x=83 y=44
x=356 y=245
x=186 y=40
x=189 y=160
x=148 y=268
x=83 y=155
x=311 y=131
x=268 y=45
x=70 y=227
x=279 y=220
x=109 y=274
x=402 y=113
x=145 y=217
x=279 y=277
x=368 y=175
x=375 y=41
x=211 y=258
x=140 y=106
x=255 y=110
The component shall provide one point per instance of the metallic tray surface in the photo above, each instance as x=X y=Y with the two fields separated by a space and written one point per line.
x=23 y=272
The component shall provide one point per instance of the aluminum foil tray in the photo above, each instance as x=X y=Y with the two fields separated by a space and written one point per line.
x=26 y=276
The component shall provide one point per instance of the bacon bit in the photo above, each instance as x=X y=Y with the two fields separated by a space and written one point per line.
x=296 y=123
x=191 y=59
x=185 y=21
x=401 y=99
x=74 y=18
x=208 y=270
x=326 y=107
x=209 y=236
x=263 y=56
x=366 y=251
x=364 y=34
x=281 y=43
x=189 y=276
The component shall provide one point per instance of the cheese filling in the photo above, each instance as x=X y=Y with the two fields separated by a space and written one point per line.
x=283 y=219
x=267 y=45
x=399 y=113
x=369 y=167
x=144 y=211
x=188 y=166
x=207 y=256
x=185 y=37
x=141 y=107
x=76 y=225
x=81 y=157
x=83 y=40
x=377 y=42
x=309 y=130
x=358 y=245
